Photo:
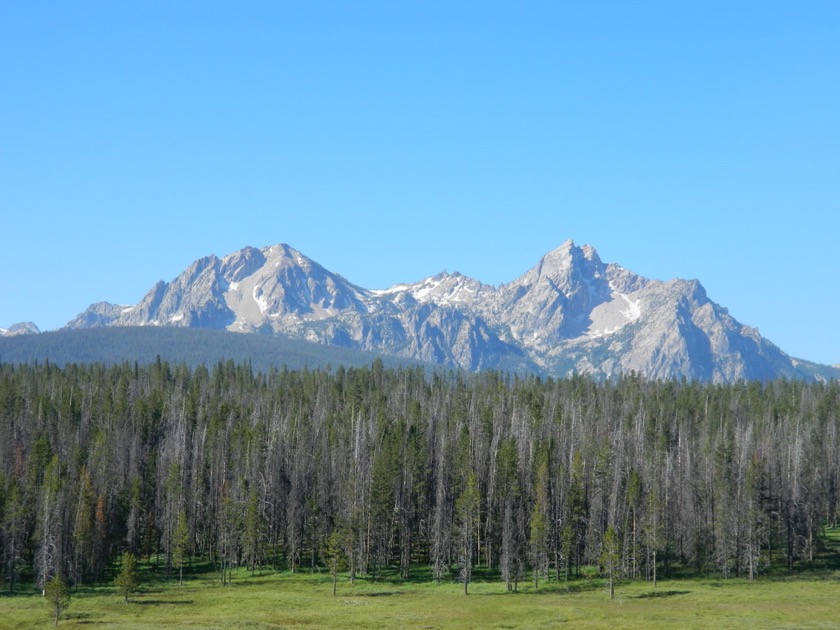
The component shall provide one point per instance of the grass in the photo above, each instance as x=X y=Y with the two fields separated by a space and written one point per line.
x=304 y=601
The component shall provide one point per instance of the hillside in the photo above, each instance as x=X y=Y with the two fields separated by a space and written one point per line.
x=192 y=346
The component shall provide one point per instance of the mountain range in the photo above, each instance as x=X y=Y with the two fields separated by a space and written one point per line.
x=570 y=313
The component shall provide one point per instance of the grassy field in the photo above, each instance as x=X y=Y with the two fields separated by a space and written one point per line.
x=809 y=599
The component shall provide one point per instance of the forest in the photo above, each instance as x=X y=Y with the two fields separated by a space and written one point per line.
x=368 y=469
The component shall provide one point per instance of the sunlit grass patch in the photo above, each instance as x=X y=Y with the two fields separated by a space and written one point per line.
x=283 y=600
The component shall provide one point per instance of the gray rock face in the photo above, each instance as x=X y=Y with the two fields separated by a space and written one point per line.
x=569 y=313
x=22 y=328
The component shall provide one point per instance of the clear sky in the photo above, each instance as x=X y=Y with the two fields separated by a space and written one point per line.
x=392 y=140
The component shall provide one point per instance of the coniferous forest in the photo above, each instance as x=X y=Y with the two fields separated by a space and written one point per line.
x=371 y=469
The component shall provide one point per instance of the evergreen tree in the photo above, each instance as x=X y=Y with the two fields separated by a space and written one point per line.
x=15 y=533
x=180 y=544
x=101 y=544
x=127 y=580
x=336 y=554
x=652 y=532
x=58 y=596
x=508 y=470
x=95 y=459
x=251 y=531
x=467 y=512
x=539 y=524
x=83 y=531
x=611 y=558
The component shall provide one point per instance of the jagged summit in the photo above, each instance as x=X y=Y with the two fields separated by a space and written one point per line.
x=443 y=289
x=21 y=328
x=570 y=312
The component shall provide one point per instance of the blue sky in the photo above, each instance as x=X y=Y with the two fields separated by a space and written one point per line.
x=391 y=140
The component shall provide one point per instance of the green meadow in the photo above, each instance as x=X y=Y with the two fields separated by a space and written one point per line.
x=806 y=598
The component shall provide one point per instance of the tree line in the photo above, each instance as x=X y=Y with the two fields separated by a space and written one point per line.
x=371 y=469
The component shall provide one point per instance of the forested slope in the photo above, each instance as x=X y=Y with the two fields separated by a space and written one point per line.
x=391 y=467
x=192 y=346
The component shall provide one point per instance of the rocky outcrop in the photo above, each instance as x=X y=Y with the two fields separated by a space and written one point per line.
x=570 y=313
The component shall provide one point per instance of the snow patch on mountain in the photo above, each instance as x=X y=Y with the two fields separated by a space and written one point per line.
x=569 y=313
x=610 y=317
x=259 y=298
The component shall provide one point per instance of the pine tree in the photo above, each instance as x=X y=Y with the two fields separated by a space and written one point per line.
x=83 y=530
x=611 y=558
x=58 y=596
x=337 y=553
x=14 y=534
x=101 y=546
x=466 y=509
x=180 y=544
x=508 y=468
x=539 y=524
x=652 y=532
x=127 y=580
x=251 y=531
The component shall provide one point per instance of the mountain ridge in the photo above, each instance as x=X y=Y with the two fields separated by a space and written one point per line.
x=571 y=312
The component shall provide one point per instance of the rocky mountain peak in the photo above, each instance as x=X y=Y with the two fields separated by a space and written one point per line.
x=568 y=313
x=622 y=280
x=21 y=328
x=286 y=256
x=242 y=264
x=558 y=261
x=567 y=268
x=555 y=296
